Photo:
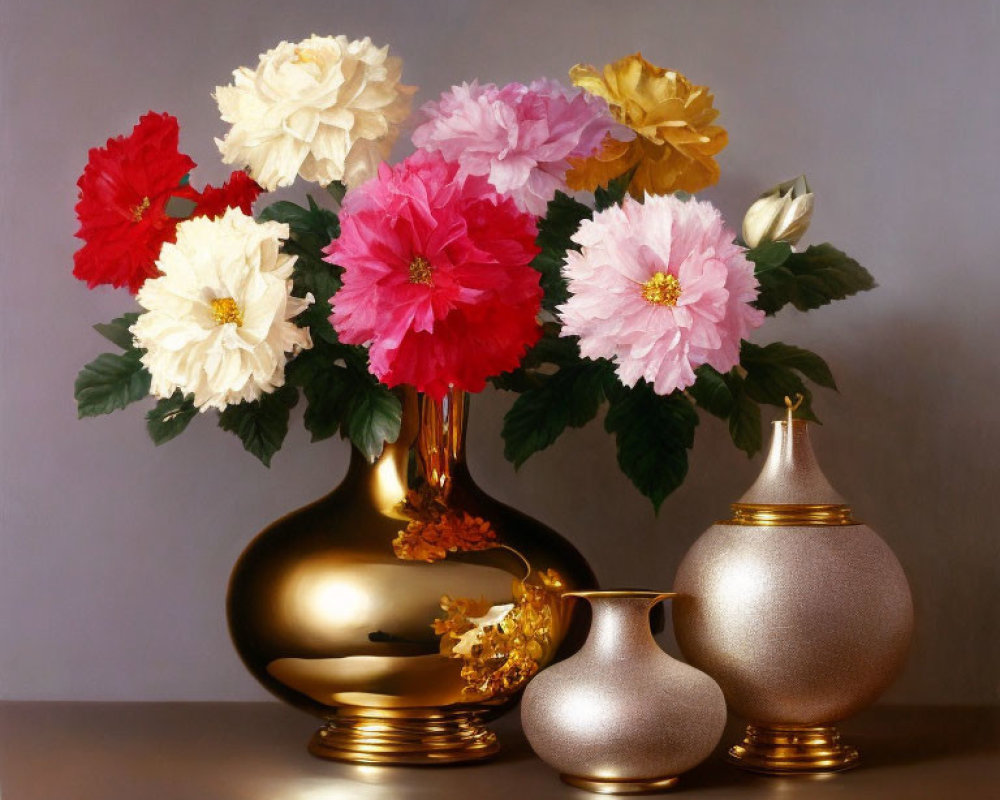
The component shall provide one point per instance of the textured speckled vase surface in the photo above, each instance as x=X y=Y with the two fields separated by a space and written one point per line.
x=621 y=716
x=802 y=614
x=406 y=606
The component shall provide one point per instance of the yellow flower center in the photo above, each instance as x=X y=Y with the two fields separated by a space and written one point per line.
x=420 y=271
x=305 y=55
x=140 y=209
x=662 y=289
x=224 y=309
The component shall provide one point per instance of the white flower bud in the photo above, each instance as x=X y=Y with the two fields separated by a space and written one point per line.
x=782 y=214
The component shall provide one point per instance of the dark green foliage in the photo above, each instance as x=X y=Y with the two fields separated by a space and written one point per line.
x=614 y=192
x=653 y=433
x=568 y=398
x=561 y=221
x=263 y=423
x=117 y=331
x=109 y=382
x=169 y=417
x=343 y=397
x=810 y=279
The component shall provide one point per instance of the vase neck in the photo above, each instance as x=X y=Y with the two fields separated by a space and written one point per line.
x=620 y=627
x=440 y=438
x=428 y=453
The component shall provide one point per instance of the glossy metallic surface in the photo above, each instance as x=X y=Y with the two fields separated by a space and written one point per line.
x=791 y=475
x=405 y=605
x=792 y=749
x=620 y=787
x=801 y=625
x=621 y=714
x=404 y=736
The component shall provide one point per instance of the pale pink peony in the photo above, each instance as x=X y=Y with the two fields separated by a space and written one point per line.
x=518 y=137
x=660 y=288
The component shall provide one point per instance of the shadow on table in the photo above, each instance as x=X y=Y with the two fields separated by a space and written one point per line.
x=896 y=735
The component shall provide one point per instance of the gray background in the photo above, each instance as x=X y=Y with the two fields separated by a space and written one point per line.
x=114 y=554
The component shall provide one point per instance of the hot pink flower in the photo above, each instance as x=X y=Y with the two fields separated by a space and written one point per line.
x=437 y=277
x=660 y=288
x=519 y=137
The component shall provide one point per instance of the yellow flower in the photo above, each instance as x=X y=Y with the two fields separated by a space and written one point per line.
x=675 y=142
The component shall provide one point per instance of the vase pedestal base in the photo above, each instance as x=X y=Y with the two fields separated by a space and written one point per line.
x=411 y=736
x=638 y=786
x=792 y=750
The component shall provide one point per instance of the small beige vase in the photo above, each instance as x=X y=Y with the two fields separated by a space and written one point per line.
x=621 y=716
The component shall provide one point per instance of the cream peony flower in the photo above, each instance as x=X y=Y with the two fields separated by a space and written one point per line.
x=218 y=319
x=327 y=109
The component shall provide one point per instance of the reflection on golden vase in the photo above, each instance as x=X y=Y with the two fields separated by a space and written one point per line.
x=802 y=614
x=406 y=606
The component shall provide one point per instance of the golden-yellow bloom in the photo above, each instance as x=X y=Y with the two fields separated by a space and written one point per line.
x=675 y=142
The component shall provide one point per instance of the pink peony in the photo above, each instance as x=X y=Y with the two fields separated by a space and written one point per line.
x=660 y=288
x=519 y=137
x=437 y=277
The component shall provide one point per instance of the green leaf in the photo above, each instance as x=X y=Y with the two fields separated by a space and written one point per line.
x=117 y=331
x=568 y=398
x=110 y=382
x=263 y=423
x=810 y=279
x=561 y=221
x=374 y=416
x=614 y=193
x=769 y=256
x=770 y=381
x=343 y=397
x=337 y=190
x=312 y=229
x=711 y=392
x=170 y=416
x=306 y=224
x=798 y=358
x=653 y=433
x=744 y=421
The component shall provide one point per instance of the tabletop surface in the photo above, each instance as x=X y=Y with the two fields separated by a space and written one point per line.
x=256 y=751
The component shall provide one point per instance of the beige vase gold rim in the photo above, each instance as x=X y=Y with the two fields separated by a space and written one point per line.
x=801 y=613
x=622 y=716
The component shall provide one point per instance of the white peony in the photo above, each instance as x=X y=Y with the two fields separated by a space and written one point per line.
x=218 y=319
x=327 y=109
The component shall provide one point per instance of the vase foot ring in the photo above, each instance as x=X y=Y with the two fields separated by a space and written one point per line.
x=792 y=750
x=404 y=736
x=605 y=786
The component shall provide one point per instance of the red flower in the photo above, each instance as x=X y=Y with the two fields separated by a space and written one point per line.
x=240 y=191
x=437 y=277
x=124 y=191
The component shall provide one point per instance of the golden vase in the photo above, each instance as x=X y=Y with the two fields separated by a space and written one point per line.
x=406 y=606
x=800 y=612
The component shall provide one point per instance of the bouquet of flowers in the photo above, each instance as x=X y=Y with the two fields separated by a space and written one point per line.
x=542 y=237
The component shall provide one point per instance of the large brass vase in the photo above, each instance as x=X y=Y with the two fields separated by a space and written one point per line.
x=800 y=612
x=406 y=606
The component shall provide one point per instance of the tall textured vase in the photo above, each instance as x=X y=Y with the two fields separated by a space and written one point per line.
x=406 y=606
x=801 y=613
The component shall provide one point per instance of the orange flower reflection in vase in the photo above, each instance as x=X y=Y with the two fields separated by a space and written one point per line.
x=675 y=141
x=502 y=646
x=438 y=530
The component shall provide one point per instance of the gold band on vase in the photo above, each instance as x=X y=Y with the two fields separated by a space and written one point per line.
x=774 y=514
